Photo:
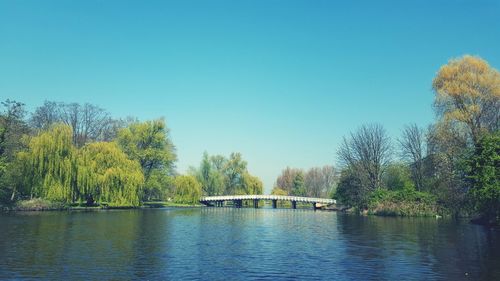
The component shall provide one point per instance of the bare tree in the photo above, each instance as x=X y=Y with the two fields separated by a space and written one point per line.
x=45 y=115
x=320 y=181
x=367 y=151
x=89 y=122
x=413 y=148
x=286 y=180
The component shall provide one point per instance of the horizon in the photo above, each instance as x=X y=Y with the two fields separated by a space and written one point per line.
x=281 y=84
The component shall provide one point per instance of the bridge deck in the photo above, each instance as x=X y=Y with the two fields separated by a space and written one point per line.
x=267 y=197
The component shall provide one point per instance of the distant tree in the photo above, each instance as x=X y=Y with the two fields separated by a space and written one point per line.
x=413 y=148
x=149 y=143
x=320 y=181
x=106 y=174
x=251 y=184
x=367 y=151
x=299 y=188
x=468 y=92
x=278 y=191
x=234 y=169
x=88 y=122
x=210 y=177
x=286 y=180
x=187 y=190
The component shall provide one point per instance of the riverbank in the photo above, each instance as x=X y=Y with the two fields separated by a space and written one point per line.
x=38 y=204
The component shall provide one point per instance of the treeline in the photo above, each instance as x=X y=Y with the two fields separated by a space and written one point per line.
x=78 y=154
x=219 y=175
x=451 y=167
x=319 y=182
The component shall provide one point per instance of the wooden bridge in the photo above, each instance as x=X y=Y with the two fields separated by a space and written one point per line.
x=219 y=201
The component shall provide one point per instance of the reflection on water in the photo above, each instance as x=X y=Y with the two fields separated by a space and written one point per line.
x=219 y=243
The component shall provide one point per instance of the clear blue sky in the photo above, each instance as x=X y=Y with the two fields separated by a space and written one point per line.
x=280 y=81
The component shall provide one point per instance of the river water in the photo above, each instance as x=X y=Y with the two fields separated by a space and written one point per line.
x=242 y=244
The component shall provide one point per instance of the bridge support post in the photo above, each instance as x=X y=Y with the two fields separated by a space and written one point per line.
x=238 y=203
x=256 y=203
x=315 y=206
x=274 y=203
x=294 y=204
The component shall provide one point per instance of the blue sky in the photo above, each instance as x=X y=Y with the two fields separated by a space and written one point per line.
x=279 y=81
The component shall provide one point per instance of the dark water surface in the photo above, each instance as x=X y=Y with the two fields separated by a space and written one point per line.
x=242 y=244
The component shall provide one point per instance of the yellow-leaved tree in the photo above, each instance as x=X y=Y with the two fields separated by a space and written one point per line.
x=48 y=164
x=468 y=93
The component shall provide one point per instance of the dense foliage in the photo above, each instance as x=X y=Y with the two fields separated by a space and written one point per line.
x=219 y=175
x=483 y=170
x=149 y=144
x=451 y=168
x=66 y=154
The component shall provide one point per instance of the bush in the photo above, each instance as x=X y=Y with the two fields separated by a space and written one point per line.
x=405 y=202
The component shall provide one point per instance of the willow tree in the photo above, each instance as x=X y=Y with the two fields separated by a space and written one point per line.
x=149 y=143
x=251 y=184
x=187 y=190
x=105 y=174
x=49 y=165
x=211 y=179
x=468 y=93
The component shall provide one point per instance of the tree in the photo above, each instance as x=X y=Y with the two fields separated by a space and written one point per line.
x=286 y=180
x=88 y=122
x=413 y=151
x=468 y=92
x=351 y=191
x=397 y=177
x=49 y=164
x=234 y=169
x=320 y=181
x=149 y=143
x=446 y=146
x=299 y=188
x=251 y=184
x=367 y=152
x=187 y=190
x=278 y=191
x=211 y=179
x=106 y=174
x=12 y=128
x=483 y=171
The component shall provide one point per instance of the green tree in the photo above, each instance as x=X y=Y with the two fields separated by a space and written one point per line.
x=149 y=143
x=278 y=191
x=49 y=164
x=187 y=190
x=12 y=128
x=299 y=188
x=106 y=174
x=251 y=184
x=234 y=169
x=351 y=191
x=483 y=170
x=397 y=177
x=210 y=177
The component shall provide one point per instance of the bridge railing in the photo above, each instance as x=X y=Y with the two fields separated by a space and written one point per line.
x=267 y=197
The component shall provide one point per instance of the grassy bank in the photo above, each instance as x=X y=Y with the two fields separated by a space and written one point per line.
x=406 y=202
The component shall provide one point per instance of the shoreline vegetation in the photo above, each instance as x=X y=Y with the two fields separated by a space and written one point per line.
x=76 y=156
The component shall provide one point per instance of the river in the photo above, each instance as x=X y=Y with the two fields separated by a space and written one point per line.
x=242 y=244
